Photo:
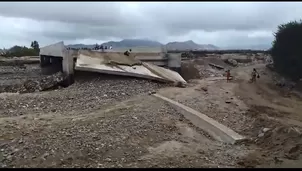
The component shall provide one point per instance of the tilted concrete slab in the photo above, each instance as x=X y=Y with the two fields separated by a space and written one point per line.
x=56 y=50
x=119 y=64
x=212 y=127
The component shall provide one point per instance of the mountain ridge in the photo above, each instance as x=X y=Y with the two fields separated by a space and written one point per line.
x=131 y=43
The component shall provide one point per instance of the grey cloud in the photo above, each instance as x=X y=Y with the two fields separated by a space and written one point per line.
x=222 y=16
x=82 y=32
x=158 y=21
x=76 y=12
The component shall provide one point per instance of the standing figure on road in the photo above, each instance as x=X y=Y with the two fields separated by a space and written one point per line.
x=228 y=75
x=254 y=75
x=127 y=53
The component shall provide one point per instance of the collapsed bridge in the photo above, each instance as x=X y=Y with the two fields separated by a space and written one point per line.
x=159 y=66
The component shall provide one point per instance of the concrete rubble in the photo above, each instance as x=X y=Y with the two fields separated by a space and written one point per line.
x=118 y=64
x=57 y=57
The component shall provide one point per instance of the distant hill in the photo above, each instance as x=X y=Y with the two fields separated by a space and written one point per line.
x=128 y=43
x=189 y=45
x=131 y=43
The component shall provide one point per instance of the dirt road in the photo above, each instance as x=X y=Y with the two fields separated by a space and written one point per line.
x=271 y=119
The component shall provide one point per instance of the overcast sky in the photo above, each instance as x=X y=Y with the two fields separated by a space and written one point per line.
x=224 y=24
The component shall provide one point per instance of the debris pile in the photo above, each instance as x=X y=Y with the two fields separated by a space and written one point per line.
x=188 y=55
x=91 y=91
x=285 y=140
x=33 y=85
x=232 y=62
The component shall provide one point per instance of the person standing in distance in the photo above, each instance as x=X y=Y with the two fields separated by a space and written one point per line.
x=127 y=53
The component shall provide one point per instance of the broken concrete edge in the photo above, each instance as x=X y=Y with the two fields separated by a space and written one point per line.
x=212 y=127
x=167 y=74
x=79 y=68
x=98 y=62
x=216 y=66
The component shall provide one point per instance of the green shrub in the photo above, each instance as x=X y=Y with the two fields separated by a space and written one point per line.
x=18 y=51
x=286 y=50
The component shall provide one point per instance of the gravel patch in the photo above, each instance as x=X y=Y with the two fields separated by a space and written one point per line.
x=90 y=91
x=144 y=133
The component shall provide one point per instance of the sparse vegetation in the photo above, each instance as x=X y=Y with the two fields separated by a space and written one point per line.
x=286 y=50
x=35 y=45
x=18 y=51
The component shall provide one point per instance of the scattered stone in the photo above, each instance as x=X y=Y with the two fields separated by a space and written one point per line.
x=227 y=101
x=152 y=92
x=180 y=84
x=34 y=85
x=108 y=160
x=265 y=130
x=278 y=160
x=261 y=135
x=204 y=88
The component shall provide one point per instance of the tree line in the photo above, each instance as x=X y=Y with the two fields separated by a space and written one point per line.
x=18 y=51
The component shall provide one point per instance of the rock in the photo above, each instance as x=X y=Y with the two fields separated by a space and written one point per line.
x=261 y=135
x=9 y=157
x=35 y=85
x=293 y=153
x=108 y=160
x=204 y=88
x=227 y=101
x=265 y=130
x=278 y=160
x=232 y=62
x=180 y=84
x=152 y=92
